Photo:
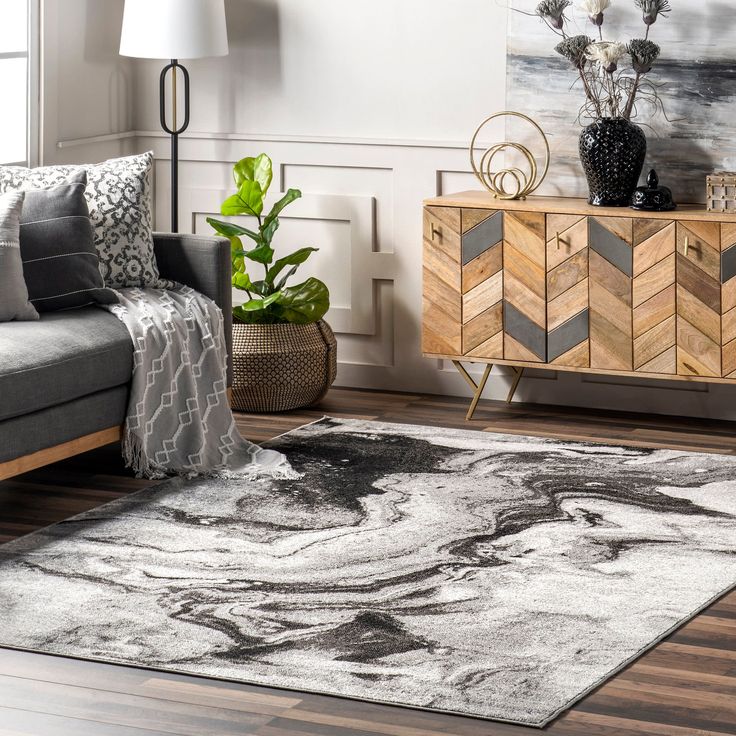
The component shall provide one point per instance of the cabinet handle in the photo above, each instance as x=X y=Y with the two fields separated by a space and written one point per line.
x=687 y=245
x=559 y=242
x=437 y=232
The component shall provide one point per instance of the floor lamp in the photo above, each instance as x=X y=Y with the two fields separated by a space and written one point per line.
x=174 y=29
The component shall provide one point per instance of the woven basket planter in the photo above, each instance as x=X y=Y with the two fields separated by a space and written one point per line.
x=282 y=367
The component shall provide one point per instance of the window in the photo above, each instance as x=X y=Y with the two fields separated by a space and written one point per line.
x=15 y=81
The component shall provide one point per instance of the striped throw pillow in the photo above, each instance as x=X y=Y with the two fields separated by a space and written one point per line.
x=60 y=261
x=14 y=304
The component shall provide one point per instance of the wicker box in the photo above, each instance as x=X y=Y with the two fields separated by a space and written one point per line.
x=721 y=194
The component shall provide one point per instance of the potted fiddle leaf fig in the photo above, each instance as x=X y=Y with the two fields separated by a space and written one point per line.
x=284 y=353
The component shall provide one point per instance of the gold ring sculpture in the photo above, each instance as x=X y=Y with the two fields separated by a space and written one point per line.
x=523 y=183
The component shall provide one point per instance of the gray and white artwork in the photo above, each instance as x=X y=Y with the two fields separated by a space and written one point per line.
x=695 y=76
x=469 y=572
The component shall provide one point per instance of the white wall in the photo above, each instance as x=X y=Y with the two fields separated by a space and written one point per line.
x=368 y=107
x=86 y=87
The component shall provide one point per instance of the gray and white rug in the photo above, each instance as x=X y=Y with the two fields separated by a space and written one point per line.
x=475 y=573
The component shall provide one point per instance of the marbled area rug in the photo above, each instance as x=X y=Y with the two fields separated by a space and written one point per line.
x=488 y=575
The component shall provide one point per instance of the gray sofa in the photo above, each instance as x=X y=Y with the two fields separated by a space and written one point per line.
x=66 y=377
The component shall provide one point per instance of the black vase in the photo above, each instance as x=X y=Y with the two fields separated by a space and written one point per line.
x=612 y=151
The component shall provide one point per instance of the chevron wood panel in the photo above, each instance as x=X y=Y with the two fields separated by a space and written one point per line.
x=728 y=300
x=573 y=238
x=654 y=296
x=517 y=289
x=654 y=240
x=728 y=322
x=729 y=360
x=699 y=302
x=611 y=314
x=518 y=350
x=567 y=305
x=491 y=348
x=568 y=323
x=472 y=217
x=482 y=297
x=482 y=267
x=482 y=283
x=482 y=328
x=578 y=357
x=654 y=279
x=442 y=300
x=697 y=355
x=649 y=346
x=690 y=308
x=662 y=363
x=655 y=310
x=567 y=274
x=525 y=287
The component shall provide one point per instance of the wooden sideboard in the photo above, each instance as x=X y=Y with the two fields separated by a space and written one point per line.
x=556 y=283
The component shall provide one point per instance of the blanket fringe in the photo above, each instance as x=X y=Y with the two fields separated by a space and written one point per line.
x=137 y=460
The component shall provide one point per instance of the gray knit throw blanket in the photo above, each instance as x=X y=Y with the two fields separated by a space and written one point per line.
x=179 y=420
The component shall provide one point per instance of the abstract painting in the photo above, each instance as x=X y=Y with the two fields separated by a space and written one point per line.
x=695 y=76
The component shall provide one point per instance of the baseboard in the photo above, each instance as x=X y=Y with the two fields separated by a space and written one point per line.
x=21 y=465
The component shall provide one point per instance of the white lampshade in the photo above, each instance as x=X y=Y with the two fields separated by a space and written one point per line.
x=174 y=29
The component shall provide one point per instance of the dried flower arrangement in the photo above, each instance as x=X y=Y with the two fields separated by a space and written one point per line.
x=612 y=89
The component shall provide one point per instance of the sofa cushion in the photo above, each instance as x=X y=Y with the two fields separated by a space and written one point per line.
x=63 y=356
x=14 y=302
x=60 y=261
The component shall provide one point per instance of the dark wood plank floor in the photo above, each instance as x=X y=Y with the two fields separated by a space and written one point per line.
x=686 y=686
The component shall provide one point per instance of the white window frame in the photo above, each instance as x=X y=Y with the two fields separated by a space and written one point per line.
x=33 y=86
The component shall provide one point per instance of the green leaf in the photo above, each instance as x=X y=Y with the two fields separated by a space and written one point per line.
x=256 y=305
x=236 y=248
x=287 y=199
x=242 y=281
x=305 y=303
x=250 y=318
x=268 y=230
x=294 y=259
x=262 y=288
x=262 y=254
x=258 y=169
x=231 y=230
x=236 y=255
x=282 y=281
x=248 y=201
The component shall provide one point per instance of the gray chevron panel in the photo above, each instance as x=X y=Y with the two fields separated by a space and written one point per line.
x=524 y=331
x=728 y=264
x=568 y=335
x=611 y=247
x=482 y=237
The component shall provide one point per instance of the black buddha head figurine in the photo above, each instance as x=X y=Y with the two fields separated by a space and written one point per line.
x=653 y=198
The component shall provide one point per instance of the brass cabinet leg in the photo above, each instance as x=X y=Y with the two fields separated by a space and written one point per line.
x=479 y=392
x=477 y=388
x=468 y=378
x=518 y=373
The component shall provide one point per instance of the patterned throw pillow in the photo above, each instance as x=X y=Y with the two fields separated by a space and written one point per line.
x=119 y=198
x=14 y=304
x=60 y=261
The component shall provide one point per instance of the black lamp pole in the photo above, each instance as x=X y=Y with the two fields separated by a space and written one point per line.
x=174 y=131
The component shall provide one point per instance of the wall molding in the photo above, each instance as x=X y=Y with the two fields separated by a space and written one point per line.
x=267 y=138
x=364 y=265
x=103 y=138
